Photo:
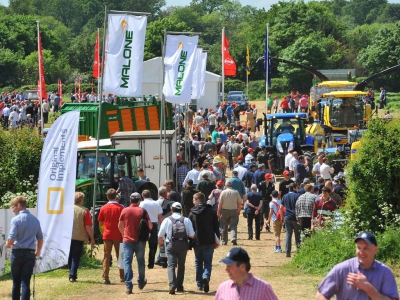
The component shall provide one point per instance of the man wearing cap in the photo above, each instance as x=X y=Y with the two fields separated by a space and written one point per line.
x=229 y=206
x=242 y=284
x=361 y=277
x=249 y=156
x=284 y=184
x=175 y=258
x=212 y=120
x=128 y=226
x=266 y=187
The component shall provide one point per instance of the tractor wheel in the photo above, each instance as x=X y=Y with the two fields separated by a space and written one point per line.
x=142 y=185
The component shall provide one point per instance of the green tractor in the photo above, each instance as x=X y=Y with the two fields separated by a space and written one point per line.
x=110 y=161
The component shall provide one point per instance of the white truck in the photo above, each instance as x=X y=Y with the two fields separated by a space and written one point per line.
x=149 y=142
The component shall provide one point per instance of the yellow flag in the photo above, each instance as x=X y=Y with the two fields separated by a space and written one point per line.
x=247 y=60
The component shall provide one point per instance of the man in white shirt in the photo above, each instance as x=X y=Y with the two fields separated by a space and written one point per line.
x=212 y=121
x=288 y=157
x=317 y=166
x=155 y=211
x=240 y=169
x=193 y=174
x=292 y=164
x=325 y=170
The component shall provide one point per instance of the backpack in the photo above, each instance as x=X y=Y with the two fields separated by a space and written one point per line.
x=144 y=231
x=280 y=215
x=179 y=237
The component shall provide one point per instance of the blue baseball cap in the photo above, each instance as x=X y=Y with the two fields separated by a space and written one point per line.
x=235 y=255
x=368 y=237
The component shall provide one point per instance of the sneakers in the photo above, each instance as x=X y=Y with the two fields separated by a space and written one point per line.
x=141 y=286
x=72 y=279
x=234 y=243
x=277 y=249
x=206 y=285
x=106 y=281
x=129 y=291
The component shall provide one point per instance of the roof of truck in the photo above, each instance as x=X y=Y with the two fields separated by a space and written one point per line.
x=344 y=94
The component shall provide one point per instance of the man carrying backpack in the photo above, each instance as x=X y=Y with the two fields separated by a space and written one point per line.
x=276 y=219
x=176 y=230
x=129 y=227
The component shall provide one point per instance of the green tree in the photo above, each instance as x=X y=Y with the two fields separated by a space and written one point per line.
x=155 y=35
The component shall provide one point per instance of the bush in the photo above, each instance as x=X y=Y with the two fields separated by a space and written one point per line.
x=19 y=165
x=374 y=177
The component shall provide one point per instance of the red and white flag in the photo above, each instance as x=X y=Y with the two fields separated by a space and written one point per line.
x=42 y=84
x=60 y=88
x=96 y=65
x=229 y=63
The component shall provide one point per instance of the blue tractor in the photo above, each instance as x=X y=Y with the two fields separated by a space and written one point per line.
x=284 y=132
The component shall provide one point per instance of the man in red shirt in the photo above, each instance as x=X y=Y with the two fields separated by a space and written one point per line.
x=108 y=219
x=129 y=227
x=285 y=105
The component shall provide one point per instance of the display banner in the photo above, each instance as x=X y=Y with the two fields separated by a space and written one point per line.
x=123 y=65
x=196 y=80
x=55 y=201
x=179 y=65
x=229 y=63
x=203 y=74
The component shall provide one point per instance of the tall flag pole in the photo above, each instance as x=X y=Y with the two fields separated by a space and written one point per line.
x=247 y=67
x=267 y=67
x=42 y=84
x=223 y=63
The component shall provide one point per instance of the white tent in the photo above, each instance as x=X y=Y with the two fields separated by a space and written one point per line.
x=153 y=80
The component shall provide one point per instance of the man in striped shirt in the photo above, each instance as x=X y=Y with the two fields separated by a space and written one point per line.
x=304 y=209
x=242 y=284
x=323 y=209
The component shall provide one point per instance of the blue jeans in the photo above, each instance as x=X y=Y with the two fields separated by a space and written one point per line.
x=203 y=262
x=292 y=226
x=22 y=263
x=75 y=253
x=129 y=249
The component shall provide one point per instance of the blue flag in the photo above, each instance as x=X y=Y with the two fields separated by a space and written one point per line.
x=267 y=60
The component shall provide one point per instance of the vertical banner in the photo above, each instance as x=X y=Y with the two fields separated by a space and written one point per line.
x=229 y=63
x=196 y=74
x=203 y=74
x=96 y=63
x=55 y=204
x=42 y=84
x=123 y=64
x=179 y=65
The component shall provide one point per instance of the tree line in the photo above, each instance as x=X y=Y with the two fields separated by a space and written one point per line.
x=336 y=34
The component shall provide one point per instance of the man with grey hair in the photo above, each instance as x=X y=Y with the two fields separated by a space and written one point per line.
x=228 y=212
x=254 y=204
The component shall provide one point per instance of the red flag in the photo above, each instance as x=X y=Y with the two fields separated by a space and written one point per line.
x=42 y=84
x=96 y=65
x=60 y=88
x=229 y=63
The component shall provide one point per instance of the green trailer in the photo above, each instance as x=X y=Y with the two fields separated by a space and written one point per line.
x=125 y=116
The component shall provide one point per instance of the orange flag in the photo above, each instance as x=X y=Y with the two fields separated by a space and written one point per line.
x=42 y=84
x=96 y=65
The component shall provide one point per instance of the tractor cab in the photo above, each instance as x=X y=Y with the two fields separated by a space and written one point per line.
x=110 y=162
x=282 y=133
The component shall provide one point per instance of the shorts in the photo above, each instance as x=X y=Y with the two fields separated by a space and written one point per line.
x=277 y=226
